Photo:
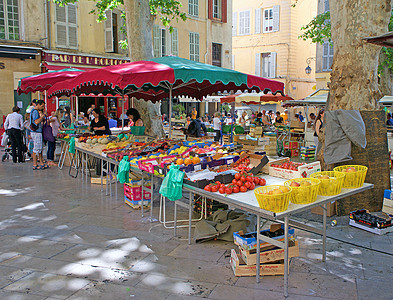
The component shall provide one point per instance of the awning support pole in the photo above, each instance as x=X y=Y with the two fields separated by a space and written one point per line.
x=170 y=111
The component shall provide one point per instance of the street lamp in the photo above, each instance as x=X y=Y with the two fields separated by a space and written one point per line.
x=308 y=62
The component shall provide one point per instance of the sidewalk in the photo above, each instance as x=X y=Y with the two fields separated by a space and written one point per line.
x=62 y=239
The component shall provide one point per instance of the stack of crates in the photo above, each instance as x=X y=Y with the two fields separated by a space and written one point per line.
x=133 y=193
x=293 y=147
x=256 y=131
x=307 y=153
x=211 y=206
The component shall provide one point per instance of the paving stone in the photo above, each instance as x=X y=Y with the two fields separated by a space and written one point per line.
x=98 y=230
x=161 y=282
x=12 y=295
x=235 y=292
x=372 y=289
x=49 y=285
x=9 y=275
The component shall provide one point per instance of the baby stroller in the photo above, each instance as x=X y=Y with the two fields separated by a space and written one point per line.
x=6 y=143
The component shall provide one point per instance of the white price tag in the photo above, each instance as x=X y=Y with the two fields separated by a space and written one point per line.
x=230 y=161
x=197 y=167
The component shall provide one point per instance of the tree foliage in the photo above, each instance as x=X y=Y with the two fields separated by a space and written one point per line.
x=168 y=10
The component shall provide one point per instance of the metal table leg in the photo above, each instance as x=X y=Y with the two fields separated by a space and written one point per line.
x=152 y=197
x=116 y=168
x=143 y=192
x=286 y=260
x=190 y=195
x=174 y=219
x=324 y=233
x=258 y=263
x=102 y=175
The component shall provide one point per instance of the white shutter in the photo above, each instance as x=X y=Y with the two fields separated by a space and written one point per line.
x=196 y=46
x=247 y=22
x=265 y=20
x=273 y=59
x=175 y=42
x=234 y=24
x=258 y=20
x=72 y=26
x=108 y=25
x=258 y=64
x=61 y=26
x=276 y=17
x=233 y=62
x=156 y=41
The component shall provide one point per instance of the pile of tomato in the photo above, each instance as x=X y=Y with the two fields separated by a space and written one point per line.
x=289 y=165
x=242 y=164
x=242 y=182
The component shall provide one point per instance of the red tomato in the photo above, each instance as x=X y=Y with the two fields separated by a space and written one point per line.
x=236 y=189
x=217 y=182
x=208 y=188
x=222 y=185
x=262 y=181
x=214 y=188
x=252 y=186
x=249 y=178
x=243 y=189
x=228 y=190
x=222 y=190
x=237 y=176
x=247 y=184
x=256 y=180
x=234 y=181
x=239 y=183
x=243 y=178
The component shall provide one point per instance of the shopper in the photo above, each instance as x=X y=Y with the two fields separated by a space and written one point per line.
x=279 y=119
x=37 y=115
x=243 y=119
x=300 y=116
x=99 y=124
x=31 y=106
x=285 y=116
x=111 y=121
x=29 y=141
x=217 y=126
x=318 y=126
x=194 y=113
x=389 y=120
x=68 y=117
x=134 y=117
x=13 y=125
x=90 y=112
x=265 y=118
x=311 y=122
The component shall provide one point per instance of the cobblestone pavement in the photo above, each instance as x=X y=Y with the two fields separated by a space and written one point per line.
x=63 y=239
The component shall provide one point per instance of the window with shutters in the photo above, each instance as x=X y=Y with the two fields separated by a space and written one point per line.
x=271 y=19
x=216 y=54
x=233 y=62
x=244 y=22
x=164 y=42
x=66 y=26
x=9 y=20
x=217 y=9
x=269 y=65
x=193 y=8
x=327 y=57
x=194 y=46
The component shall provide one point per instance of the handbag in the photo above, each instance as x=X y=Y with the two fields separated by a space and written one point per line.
x=47 y=133
x=33 y=126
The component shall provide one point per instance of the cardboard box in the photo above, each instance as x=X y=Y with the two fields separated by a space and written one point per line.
x=136 y=204
x=248 y=241
x=269 y=256
x=241 y=269
x=303 y=171
x=97 y=180
x=387 y=206
x=297 y=124
x=331 y=209
x=265 y=169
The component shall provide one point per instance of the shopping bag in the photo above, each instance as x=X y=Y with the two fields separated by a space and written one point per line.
x=47 y=133
x=71 y=148
x=172 y=185
x=124 y=170
x=4 y=140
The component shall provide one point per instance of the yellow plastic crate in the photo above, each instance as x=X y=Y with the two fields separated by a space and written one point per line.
x=331 y=186
x=354 y=178
x=303 y=194
x=275 y=202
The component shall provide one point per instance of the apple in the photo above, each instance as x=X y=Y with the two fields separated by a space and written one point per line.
x=324 y=177
x=350 y=169
x=295 y=184
x=283 y=189
x=305 y=183
x=270 y=193
x=277 y=192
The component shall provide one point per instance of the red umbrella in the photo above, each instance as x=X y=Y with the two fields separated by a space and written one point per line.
x=44 y=81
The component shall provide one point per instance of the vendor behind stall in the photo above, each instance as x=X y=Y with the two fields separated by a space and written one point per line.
x=134 y=117
x=99 y=124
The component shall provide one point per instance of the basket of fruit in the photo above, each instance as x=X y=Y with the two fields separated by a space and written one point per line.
x=354 y=175
x=274 y=198
x=304 y=190
x=331 y=182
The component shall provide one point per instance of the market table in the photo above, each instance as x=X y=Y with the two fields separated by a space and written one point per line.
x=248 y=202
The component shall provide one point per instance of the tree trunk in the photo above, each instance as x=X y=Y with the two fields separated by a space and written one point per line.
x=354 y=81
x=139 y=29
x=140 y=44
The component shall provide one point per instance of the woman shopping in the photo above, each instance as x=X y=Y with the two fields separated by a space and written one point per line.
x=99 y=124
x=318 y=125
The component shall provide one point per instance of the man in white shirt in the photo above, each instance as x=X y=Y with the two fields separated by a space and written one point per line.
x=217 y=126
x=14 y=124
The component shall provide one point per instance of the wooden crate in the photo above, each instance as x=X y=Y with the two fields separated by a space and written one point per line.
x=387 y=206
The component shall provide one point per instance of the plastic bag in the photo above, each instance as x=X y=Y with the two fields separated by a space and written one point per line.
x=71 y=148
x=124 y=170
x=172 y=185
